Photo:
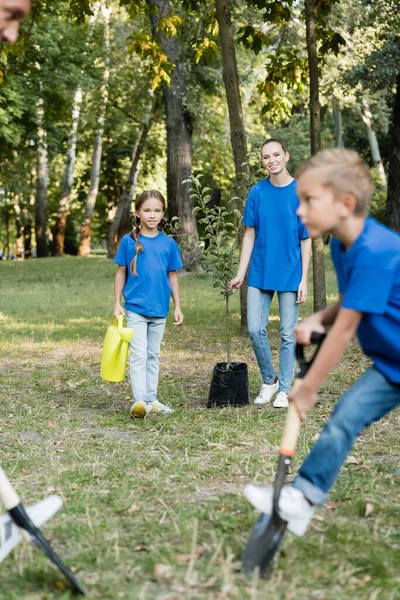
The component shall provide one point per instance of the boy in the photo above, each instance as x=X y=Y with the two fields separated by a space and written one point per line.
x=335 y=189
x=11 y=14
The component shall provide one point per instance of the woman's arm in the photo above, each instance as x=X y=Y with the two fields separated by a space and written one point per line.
x=119 y=284
x=245 y=255
x=174 y=283
x=305 y=250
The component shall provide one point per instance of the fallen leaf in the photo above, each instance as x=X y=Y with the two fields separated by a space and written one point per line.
x=74 y=486
x=51 y=425
x=133 y=508
x=217 y=445
x=50 y=490
x=352 y=460
x=368 y=509
x=162 y=571
x=332 y=505
x=319 y=518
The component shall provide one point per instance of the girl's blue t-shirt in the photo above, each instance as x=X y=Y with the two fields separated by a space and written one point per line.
x=149 y=292
x=276 y=258
x=368 y=276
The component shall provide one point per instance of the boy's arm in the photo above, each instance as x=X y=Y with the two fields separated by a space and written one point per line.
x=174 y=283
x=305 y=249
x=304 y=392
x=119 y=284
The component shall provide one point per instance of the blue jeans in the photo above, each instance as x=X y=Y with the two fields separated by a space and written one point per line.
x=371 y=397
x=258 y=305
x=145 y=354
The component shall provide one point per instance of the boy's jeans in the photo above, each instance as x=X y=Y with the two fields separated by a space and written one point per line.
x=258 y=305
x=145 y=354
x=371 y=397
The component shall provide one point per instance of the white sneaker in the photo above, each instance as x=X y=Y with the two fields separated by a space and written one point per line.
x=281 y=400
x=293 y=506
x=139 y=409
x=159 y=407
x=266 y=393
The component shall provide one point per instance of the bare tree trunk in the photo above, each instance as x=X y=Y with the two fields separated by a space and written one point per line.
x=63 y=205
x=179 y=132
x=42 y=249
x=315 y=134
x=393 y=197
x=238 y=135
x=373 y=142
x=19 y=227
x=122 y=221
x=86 y=227
x=337 y=122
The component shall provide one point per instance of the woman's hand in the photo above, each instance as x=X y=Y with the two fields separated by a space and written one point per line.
x=178 y=316
x=236 y=282
x=118 y=310
x=302 y=292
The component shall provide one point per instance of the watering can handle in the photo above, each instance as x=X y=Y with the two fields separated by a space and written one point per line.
x=118 y=323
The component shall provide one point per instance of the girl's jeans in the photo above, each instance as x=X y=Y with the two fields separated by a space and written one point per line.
x=258 y=305
x=372 y=397
x=145 y=354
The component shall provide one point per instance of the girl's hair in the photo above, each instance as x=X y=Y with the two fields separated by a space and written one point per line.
x=140 y=200
x=274 y=140
x=344 y=172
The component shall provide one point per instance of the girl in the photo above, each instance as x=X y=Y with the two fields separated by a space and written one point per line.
x=278 y=248
x=147 y=261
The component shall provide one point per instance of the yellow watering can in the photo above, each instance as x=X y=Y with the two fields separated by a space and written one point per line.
x=115 y=351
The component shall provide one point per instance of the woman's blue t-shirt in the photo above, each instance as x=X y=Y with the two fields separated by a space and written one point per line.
x=276 y=259
x=149 y=292
x=369 y=279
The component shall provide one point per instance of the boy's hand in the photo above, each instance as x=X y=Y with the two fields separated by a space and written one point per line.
x=302 y=292
x=236 y=282
x=178 y=316
x=305 y=328
x=118 y=310
x=302 y=399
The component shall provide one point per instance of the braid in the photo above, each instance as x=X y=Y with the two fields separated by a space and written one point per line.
x=138 y=246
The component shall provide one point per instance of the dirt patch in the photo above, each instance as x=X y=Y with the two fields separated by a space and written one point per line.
x=112 y=433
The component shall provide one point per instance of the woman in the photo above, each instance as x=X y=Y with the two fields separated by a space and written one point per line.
x=278 y=248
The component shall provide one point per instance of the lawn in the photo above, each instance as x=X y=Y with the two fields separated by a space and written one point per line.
x=153 y=509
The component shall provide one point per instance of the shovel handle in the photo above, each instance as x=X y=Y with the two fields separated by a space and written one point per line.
x=7 y=493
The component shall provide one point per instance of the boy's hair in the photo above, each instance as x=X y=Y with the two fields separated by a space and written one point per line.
x=345 y=172
x=140 y=200
x=273 y=140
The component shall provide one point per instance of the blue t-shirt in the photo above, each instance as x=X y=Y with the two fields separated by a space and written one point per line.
x=149 y=292
x=276 y=258
x=369 y=279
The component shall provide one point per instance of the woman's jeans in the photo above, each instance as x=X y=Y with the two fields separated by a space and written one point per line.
x=371 y=397
x=145 y=354
x=258 y=305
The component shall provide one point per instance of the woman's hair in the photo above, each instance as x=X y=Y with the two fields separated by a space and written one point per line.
x=140 y=200
x=344 y=172
x=273 y=140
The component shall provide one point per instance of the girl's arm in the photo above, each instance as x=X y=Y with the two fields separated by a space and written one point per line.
x=305 y=250
x=304 y=391
x=245 y=255
x=174 y=283
x=119 y=284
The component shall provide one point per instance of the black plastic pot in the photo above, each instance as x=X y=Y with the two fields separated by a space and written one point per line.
x=229 y=385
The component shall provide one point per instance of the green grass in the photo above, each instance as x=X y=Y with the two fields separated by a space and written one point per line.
x=153 y=509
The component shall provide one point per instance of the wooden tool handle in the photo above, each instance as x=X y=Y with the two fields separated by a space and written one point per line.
x=291 y=432
x=7 y=493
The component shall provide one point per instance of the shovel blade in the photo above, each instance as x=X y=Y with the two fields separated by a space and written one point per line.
x=263 y=543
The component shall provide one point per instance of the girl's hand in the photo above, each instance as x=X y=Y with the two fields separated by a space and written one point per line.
x=302 y=292
x=304 y=329
x=302 y=399
x=178 y=316
x=118 y=310
x=236 y=282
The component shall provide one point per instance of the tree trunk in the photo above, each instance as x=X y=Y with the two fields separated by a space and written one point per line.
x=122 y=221
x=179 y=133
x=86 y=227
x=19 y=227
x=42 y=249
x=393 y=197
x=63 y=205
x=373 y=142
x=315 y=134
x=337 y=122
x=238 y=135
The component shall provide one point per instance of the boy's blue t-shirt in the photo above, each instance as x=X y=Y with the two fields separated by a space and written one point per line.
x=149 y=292
x=276 y=258
x=369 y=279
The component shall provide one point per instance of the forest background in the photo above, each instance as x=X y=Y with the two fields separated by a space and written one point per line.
x=101 y=100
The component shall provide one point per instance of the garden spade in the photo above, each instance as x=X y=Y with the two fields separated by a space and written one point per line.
x=25 y=520
x=269 y=530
